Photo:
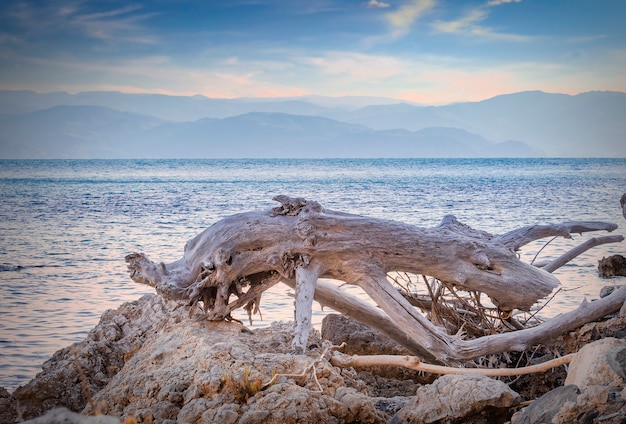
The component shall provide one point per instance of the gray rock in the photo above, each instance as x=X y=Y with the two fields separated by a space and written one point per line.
x=547 y=406
x=65 y=416
x=607 y=290
x=458 y=398
x=616 y=358
x=594 y=405
x=590 y=366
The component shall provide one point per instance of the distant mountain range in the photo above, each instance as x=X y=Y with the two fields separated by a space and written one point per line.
x=119 y=125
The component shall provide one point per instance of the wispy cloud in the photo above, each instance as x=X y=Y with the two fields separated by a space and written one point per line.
x=499 y=2
x=122 y=24
x=377 y=4
x=227 y=77
x=466 y=23
x=402 y=19
x=357 y=66
x=470 y=24
x=79 y=19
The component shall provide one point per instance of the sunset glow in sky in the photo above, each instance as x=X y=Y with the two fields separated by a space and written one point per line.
x=426 y=51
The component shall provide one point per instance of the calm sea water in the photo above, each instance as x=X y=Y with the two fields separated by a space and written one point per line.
x=65 y=226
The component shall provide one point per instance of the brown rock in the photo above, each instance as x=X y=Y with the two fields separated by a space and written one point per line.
x=363 y=340
x=359 y=338
x=612 y=266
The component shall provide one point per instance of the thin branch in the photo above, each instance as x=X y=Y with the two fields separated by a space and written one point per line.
x=413 y=362
x=578 y=250
x=542 y=247
x=522 y=236
x=308 y=369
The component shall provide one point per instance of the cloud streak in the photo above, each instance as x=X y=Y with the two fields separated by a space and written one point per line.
x=356 y=66
x=405 y=17
x=377 y=4
x=76 y=19
x=469 y=24
x=499 y=2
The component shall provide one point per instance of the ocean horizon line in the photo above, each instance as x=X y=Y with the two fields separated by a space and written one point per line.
x=321 y=158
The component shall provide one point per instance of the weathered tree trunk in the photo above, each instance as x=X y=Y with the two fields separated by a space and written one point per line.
x=302 y=241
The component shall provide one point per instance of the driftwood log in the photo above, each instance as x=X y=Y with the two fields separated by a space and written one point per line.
x=231 y=263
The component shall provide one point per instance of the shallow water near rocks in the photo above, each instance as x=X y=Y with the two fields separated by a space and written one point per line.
x=65 y=226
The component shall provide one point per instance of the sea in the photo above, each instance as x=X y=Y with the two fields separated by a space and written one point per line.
x=66 y=225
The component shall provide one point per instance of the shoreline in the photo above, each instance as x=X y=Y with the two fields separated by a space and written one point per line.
x=149 y=345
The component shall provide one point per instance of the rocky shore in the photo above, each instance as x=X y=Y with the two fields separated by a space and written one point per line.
x=149 y=361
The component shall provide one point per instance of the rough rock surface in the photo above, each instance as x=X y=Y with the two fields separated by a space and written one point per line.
x=459 y=398
x=591 y=365
x=359 y=338
x=101 y=355
x=612 y=266
x=571 y=404
x=150 y=361
x=363 y=340
x=186 y=372
x=594 y=404
x=545 y=408
x=65 y=416
x=614 y=326
x=593 y=393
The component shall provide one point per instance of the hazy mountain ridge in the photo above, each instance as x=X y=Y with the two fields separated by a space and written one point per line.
x=527 y=124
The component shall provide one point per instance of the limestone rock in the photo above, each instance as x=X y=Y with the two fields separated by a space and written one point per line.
x=205 y=372
x=153 y=362
x=591 y=366
x=593 y=391
x=65 y=416
x=459 y=398
x=103 y=352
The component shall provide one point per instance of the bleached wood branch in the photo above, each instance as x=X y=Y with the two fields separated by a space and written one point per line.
x=580 y=249
x=414 y=363
x=522 y=236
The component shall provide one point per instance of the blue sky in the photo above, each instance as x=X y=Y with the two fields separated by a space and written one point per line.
x=426 y=51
